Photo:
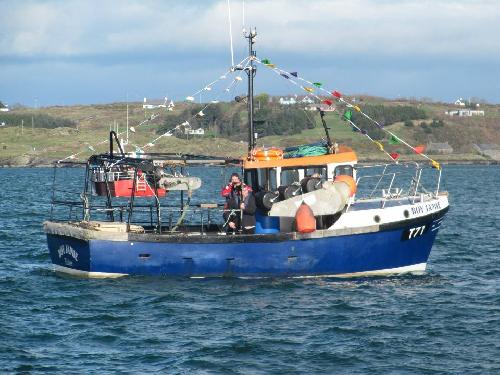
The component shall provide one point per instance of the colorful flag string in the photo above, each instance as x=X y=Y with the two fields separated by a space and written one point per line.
x=341 y=99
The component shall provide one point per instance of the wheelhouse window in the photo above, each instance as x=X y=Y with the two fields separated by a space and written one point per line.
x=289 y=176
x=319 y=172
x=267 y=179
x=343 y=170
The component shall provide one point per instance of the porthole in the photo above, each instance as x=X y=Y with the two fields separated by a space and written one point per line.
x=376 y=218
x=406 y=213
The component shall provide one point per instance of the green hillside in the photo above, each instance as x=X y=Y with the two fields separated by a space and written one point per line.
x=35 y=137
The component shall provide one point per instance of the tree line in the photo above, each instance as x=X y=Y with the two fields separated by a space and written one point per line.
x=39 y=120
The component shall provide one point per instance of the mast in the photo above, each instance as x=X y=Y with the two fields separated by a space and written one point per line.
x=251 y=70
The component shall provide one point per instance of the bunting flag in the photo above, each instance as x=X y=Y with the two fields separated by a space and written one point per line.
x=328 y=102
x=364 y=132
x=270 y=65
x=394 y=155
x=348 y=115
x=419 y=149
x=357 y=108
x=394 y=140
x=380 y=145
x=91 y=148
x=354 y=129
x=238 y=78
x=337 y=94
x=223 y=77
x=295 y=74
x=436 y=165
x=201 y=114
x=308 y=89
x=266 y=61
x=207 y=88
x=317 y=84
x=284 y=75
x=185 y=123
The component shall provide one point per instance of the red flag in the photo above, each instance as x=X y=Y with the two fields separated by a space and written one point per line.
x=327 y=102
x=419 y=149
x=337 y=94
x=394 y=155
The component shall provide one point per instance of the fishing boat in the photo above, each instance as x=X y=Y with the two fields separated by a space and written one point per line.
x=319 y=214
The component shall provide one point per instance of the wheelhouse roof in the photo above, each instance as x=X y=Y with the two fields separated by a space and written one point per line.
x=344 y=155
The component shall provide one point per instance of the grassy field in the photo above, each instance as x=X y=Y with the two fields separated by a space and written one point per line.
x=42 y=146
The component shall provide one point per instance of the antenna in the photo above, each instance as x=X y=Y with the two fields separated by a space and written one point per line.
x=251 y=70
x=230 y=32
x=127 y=119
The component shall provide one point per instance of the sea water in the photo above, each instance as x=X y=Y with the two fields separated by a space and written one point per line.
x=446 y=321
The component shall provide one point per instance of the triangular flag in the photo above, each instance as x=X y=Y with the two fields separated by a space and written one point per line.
x=266 y=61
x=185 y=123
x=357 y=108
x=271 y=65
x=208 y=88
x=238 y=78
x=419 y=149
x=284 y=75
x=364 y=132
x=394 y=140
x=394 y=155
x=91 y=148
x=436 y=165
x=337 y=94
x=132 y=129
x=295 y=74
x=201 y=114
x=317 y=84
x=222 y=77
x=380 y=145
x=354 y=129
x=149 y=145
x=348 y=115
x=308 y=89
x=327 y=102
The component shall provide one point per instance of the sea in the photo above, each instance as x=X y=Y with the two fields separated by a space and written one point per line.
x=446 y=321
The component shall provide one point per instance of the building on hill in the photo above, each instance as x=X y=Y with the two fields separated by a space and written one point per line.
x=464 y=112
x=439 y=148
x=4 y=107
x=198 y=131
x=152 y=104
x=288 y=101
x=460 y=102
x=322 y=106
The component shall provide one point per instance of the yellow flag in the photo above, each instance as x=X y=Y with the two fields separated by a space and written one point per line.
x=357 y=108
x=380 y=145
x=436 y=165
x=271 y=65
x=309 y=89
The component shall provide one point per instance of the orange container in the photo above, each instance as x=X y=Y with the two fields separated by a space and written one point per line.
x=304 y=219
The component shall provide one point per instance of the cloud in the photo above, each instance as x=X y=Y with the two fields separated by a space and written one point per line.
x=440 y=28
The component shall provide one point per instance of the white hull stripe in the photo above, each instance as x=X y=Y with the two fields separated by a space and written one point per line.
x=415 y=268
x=94 y=275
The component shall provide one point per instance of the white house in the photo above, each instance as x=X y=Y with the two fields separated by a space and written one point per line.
x=465 y=112
x=198 y=131
x=154 y=104
x=287 y=101
x=460 y=102
x=4 y=108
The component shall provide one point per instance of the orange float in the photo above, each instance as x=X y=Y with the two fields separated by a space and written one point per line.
x=304 y=219
x=265 y=154
x=349 y=181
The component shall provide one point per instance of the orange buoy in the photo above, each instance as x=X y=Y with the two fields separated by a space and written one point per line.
x=305 y=220
x=349 y=181
x=272 y=153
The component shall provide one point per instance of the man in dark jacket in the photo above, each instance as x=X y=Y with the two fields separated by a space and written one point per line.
x=248 y=208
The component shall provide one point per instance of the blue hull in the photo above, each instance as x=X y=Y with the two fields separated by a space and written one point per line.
x=389 y=248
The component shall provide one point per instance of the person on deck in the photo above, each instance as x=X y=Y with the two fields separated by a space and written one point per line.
x=248 y=208
x=233 y=192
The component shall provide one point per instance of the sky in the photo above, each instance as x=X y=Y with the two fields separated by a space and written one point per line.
x=55 y=52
